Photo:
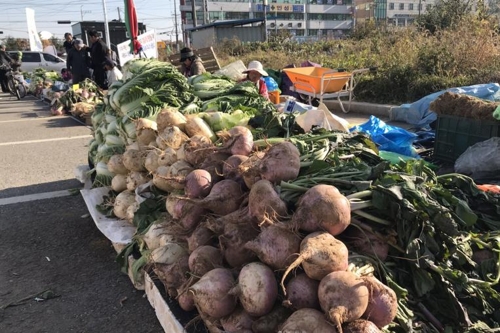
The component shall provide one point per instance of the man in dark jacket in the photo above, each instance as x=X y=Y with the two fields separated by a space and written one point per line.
x=78 y=62
x=68 y=42
x=98 y=53
x=5 y=61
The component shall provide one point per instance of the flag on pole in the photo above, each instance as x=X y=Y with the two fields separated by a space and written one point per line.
x=132 y=26
x=34 y=38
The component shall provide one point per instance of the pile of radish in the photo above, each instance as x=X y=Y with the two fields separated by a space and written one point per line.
x=230 y=247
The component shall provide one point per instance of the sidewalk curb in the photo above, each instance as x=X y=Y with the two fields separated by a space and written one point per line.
x=378 y=110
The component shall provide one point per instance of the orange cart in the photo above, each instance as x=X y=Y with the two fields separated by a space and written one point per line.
x=325 y=83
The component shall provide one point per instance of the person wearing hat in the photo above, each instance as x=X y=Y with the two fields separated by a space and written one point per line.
x=255 y=72
x=112 y=72
x=78 y=62
x=191 y=64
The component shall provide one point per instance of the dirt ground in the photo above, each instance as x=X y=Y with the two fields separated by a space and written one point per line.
x=54 y=244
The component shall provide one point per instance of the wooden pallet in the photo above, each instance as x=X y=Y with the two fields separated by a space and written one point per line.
x=206 y=54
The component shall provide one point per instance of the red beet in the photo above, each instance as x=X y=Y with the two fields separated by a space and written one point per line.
x=204 y=259
x=322 y=207
x=302 y=292
x=257 y=289
x=383 y=303
x=343 y=297
x=275 y=246
x=211 y=293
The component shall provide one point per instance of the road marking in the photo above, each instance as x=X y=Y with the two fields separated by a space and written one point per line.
x=33 y=197
x=45 y=140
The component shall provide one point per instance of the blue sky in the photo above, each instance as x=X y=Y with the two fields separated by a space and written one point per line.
x=156 y=14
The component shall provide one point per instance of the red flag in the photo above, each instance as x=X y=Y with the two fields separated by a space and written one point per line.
x=132 y=26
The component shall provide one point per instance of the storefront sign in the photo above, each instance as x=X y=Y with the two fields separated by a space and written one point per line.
x=281 y=8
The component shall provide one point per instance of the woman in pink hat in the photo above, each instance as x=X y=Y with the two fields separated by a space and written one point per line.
x=255 y=72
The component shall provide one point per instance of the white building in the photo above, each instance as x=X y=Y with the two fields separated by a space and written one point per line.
x=319 y=18
x=404 y=12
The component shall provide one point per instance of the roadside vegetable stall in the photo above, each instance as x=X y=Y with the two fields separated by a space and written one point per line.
x=229 y=214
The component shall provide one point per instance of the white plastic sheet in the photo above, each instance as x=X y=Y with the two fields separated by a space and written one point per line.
x=117 y=231
x=321 y=117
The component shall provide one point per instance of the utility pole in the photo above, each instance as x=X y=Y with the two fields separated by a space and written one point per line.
x=205 y=12
x=176 y=28
x=119 y=14
x=106 y=26
x=82 y=12
x=265 y=19
x=276 y=21
x=193 y=3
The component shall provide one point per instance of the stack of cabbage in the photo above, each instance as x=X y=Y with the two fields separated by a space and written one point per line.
x=219 y=93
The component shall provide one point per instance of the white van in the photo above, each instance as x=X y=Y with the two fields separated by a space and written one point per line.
x=33 y=59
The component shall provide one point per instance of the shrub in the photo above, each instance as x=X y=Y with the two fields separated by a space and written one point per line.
x=411 y=62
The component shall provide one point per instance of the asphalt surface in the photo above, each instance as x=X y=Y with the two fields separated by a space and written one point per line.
x=53 y=243
x=25 y=164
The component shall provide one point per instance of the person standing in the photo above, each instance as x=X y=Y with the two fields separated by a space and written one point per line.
x=98 y=53
x=5 y=61
x=191 y=64
x=48 y=47
x=68 y=42
x=78 y=62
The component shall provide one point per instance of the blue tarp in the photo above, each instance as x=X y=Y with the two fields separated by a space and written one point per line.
x=418 y=113
x=389 y=138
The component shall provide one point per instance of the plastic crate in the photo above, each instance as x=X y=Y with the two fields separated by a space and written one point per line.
x=455 y=134
x=310 y=78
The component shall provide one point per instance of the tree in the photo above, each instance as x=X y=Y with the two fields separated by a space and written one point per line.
x=444 y=14
x=15 y=44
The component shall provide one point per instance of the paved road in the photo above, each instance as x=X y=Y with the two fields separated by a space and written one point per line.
x=52 y=243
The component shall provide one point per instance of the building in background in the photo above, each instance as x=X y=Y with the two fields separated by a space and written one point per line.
x=319 y=18
x=308 y=18
x=207 y=35
x=404 y=12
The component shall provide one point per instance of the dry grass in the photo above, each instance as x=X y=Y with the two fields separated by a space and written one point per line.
x=411 y=63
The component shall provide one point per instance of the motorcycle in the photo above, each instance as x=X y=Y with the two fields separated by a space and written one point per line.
x=15 y=82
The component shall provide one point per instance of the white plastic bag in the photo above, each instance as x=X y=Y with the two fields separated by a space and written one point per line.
x=321 y=117
x=481 y=160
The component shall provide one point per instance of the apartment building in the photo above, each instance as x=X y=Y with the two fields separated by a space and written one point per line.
x=404 y=12
x=317 y=18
